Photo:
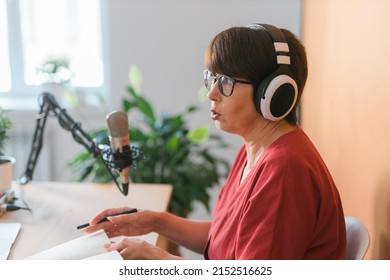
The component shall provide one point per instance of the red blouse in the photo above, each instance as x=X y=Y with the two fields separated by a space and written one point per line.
x=287 y=207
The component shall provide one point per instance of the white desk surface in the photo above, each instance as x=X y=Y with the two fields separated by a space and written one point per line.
x=59 y=207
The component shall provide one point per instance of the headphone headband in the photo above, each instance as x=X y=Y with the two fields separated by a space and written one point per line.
x=280 y=43
x=277 y=93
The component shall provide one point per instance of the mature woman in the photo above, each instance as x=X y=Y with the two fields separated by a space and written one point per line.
x=279 y=200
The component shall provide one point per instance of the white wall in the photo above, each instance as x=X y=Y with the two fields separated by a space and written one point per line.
x=166 y=40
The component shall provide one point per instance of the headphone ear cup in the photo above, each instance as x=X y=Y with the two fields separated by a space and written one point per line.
x=276 y=96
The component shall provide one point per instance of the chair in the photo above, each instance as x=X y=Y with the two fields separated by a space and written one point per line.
x=358 y=239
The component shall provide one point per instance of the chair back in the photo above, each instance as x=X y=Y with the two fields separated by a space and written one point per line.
x=358 y=239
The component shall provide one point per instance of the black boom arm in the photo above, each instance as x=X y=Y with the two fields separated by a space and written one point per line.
x=50 y=107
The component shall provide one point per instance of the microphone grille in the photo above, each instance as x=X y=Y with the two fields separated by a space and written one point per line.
x=118 y=124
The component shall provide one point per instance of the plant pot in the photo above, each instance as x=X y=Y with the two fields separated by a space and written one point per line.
x=56 y=89
x=66 y=97
x=7 y=164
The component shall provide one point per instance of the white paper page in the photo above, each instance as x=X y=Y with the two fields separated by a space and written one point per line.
x=8 y=234
x=76 y=249
x=113 y=255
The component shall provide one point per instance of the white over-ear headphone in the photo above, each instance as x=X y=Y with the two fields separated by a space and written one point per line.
x=277 y=93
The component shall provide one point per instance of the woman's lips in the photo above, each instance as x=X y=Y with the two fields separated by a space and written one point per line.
x=214 y=115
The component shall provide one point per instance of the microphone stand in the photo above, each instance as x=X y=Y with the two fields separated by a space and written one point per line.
x=50 y=105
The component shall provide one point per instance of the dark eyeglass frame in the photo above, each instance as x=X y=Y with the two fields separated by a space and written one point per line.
x=207 y=74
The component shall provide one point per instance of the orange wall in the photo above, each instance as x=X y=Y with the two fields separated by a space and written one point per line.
x=346 y=105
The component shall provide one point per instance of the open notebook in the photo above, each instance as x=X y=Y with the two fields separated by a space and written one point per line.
x=8 y=234
x=87 y=247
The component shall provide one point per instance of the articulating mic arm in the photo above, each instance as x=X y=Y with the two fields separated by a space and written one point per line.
x=111 y=159
x=49 y=104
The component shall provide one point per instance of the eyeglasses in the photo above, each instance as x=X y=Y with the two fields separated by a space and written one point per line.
x=225 y=83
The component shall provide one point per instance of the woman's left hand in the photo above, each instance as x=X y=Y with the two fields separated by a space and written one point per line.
x=137 y=249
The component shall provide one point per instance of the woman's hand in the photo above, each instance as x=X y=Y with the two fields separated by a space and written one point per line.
x=137 y=249
x=134 y=224
x=187 y=233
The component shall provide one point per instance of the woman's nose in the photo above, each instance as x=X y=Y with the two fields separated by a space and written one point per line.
x=214 y=92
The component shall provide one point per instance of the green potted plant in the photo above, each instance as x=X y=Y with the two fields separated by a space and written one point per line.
x=173 y=153
x=55 y=75
x=5 y=127
x=55 y=70
x=6 y=162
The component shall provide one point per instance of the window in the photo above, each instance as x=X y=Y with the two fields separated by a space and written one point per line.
x=45 y=29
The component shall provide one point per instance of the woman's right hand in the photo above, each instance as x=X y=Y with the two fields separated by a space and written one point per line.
x=134 y=224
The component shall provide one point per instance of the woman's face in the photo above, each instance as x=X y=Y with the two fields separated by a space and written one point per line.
x=236 y=113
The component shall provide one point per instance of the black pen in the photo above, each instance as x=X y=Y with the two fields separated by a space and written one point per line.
x=105 y=219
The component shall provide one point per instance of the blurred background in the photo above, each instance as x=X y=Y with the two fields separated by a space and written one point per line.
x=88 y=47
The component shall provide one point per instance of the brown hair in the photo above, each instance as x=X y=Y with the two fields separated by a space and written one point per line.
x=249 y=53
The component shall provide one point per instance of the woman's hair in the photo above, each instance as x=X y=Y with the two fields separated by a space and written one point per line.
x=248 y=53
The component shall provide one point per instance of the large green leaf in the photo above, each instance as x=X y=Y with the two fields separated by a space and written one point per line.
x=142 y=105
x=173 y=144
x=135 y=76
x=198 y=135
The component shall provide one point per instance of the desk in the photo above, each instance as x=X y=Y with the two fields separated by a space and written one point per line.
x=58 y=207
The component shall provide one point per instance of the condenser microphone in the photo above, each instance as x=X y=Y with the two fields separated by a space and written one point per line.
x=118 y=127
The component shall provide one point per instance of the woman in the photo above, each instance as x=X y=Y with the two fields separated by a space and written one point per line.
x=279 y=200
